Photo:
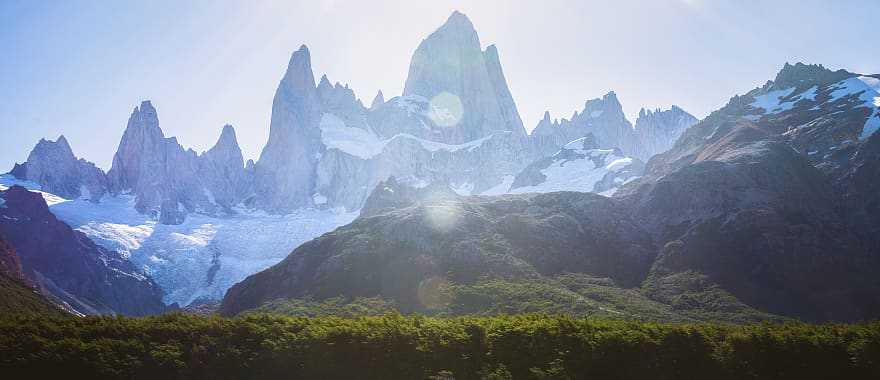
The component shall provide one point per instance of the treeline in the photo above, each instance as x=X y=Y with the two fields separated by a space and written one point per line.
x=398 y=347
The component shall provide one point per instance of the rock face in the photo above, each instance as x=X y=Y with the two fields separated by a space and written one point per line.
x=657 y=130
x=749 y=200
x=169 y=182
x=456 y=122
x=465 y=87
x=69 y=267
x=223 y=172
x=285 y=173
x=17 y=296
x=603 y=118
x=394 y=252
x=53 y=166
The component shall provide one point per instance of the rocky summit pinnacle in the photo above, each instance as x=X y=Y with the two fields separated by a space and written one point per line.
x=284 y=177
x=169 y=181
x=449 y=68
x=53 y=166
x=378 y=100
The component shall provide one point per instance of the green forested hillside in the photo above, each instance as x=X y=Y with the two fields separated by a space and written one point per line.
x=397 y=347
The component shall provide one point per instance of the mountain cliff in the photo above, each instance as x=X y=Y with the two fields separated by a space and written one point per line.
x=67 y=266
x=168 y=181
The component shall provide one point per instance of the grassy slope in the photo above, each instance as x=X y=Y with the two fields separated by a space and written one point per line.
x=18 y=299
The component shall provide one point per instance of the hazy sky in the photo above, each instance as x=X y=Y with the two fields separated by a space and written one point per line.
x=79 y=67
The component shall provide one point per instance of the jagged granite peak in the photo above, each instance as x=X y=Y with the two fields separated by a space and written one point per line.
x=450 y=68
x=284 y=175
x=802 y=75
x=299 y=76
x=53 y=165
x=505 y=98
x=168 y=181
x=378 y=100
x=142 y=135
x=603 y=117
x=223 y=173
x=657 y=130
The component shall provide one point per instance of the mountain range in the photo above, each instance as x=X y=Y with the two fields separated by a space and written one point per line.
x=446 y=204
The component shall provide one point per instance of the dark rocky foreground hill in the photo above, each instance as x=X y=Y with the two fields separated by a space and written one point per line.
x=17 y=294
x=67 y=266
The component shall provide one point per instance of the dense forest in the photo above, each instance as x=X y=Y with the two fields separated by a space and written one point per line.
x=392 y=346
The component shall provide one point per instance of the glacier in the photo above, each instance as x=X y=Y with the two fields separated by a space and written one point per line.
x=203 y=256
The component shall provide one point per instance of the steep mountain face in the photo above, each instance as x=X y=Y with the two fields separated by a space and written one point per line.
x=757 y=219
x=657 y=130
x=285 y=172
x=603 y=118
x=10 y=264
x=401 y=250
x=52 y=165
x=464 y=85
x=223 y=172
x=17 y=297
x=750 y=200
x=861 y=192
x=69 y=267
x=456 y=122
x=170 y=182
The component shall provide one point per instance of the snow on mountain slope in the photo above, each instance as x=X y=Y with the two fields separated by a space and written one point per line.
x=203 y=256
x=578 y=166
x=364 y=144
x=862 y=91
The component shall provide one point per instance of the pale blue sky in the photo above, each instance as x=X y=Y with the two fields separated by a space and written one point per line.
x=79 y=67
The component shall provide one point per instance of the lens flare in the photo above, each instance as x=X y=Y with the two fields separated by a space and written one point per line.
x=446 y=109
x=442 y=217
x=434 y=293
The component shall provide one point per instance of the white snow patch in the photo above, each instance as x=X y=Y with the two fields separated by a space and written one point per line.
x=7 y=181
x=463 y=188
x=354 y=141
x=579 y=174
x=595 y=114
x=771 y=102
x=365 y=144
x=501 y=188
x=867 y=89
x=810 y=94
